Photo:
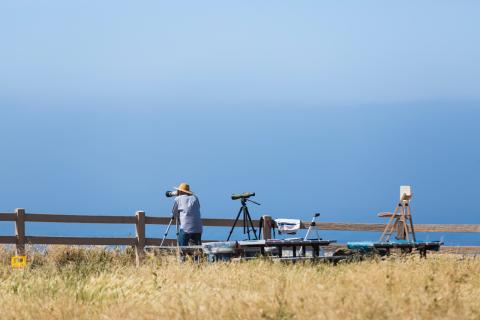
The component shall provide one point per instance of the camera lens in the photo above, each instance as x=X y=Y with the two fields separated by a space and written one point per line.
x=169 y=194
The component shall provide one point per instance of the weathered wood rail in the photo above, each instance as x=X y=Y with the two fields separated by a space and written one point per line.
x=140 y=220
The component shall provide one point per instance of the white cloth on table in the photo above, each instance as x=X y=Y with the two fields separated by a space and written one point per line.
x=288 y=226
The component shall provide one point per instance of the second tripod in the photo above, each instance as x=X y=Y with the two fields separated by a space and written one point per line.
x=247 y=219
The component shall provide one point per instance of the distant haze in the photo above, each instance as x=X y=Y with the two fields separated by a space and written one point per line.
x=216 y=52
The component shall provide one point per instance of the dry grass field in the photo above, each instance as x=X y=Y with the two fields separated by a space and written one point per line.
x=72 y=283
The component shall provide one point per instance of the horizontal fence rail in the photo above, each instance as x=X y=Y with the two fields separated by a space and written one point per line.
x=140 y=220
x=210 y=222
x=81 y=241
x=381 y=227
x=44 y=217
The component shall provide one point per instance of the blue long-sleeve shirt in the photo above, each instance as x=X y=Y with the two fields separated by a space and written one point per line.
x=187 y=207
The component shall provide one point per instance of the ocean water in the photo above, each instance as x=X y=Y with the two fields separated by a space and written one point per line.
x=215 y=233
x=340 y=161
x=452 y=239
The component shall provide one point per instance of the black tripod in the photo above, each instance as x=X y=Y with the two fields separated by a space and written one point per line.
x=247 y=219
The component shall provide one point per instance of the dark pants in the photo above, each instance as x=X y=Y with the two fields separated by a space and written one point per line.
x=189 y=239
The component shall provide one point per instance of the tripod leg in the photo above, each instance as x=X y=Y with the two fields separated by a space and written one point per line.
x=307 y=234
x=245 y=224
x=233 y=227
x=260 y=228
x=166 y=232
x=251 y=223
x=310 y=228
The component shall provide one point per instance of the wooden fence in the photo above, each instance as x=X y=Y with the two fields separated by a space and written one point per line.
x=140 y=220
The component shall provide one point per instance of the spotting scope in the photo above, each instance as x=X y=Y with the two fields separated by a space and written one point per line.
x=244 y=195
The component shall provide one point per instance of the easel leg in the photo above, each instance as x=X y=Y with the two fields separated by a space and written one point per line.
x=393 y=227
x=411 y=224
x=388 y=226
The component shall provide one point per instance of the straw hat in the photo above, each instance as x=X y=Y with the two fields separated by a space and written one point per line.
x=184 y=187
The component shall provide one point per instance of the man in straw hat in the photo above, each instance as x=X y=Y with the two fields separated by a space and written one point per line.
x=187 y=208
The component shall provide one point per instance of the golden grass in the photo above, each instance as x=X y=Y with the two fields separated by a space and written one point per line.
x=73 y=283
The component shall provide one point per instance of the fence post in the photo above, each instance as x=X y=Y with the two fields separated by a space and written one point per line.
x=267 y=227
x=140 y=245
x=20 y=231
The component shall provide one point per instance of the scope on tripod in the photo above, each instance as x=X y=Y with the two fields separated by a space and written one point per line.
x=247 y=220
x=244 y=195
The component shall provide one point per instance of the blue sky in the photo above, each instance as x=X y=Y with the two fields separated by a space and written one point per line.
x=316 y=106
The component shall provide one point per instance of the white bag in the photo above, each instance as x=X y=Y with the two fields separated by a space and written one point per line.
x=288 y=226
